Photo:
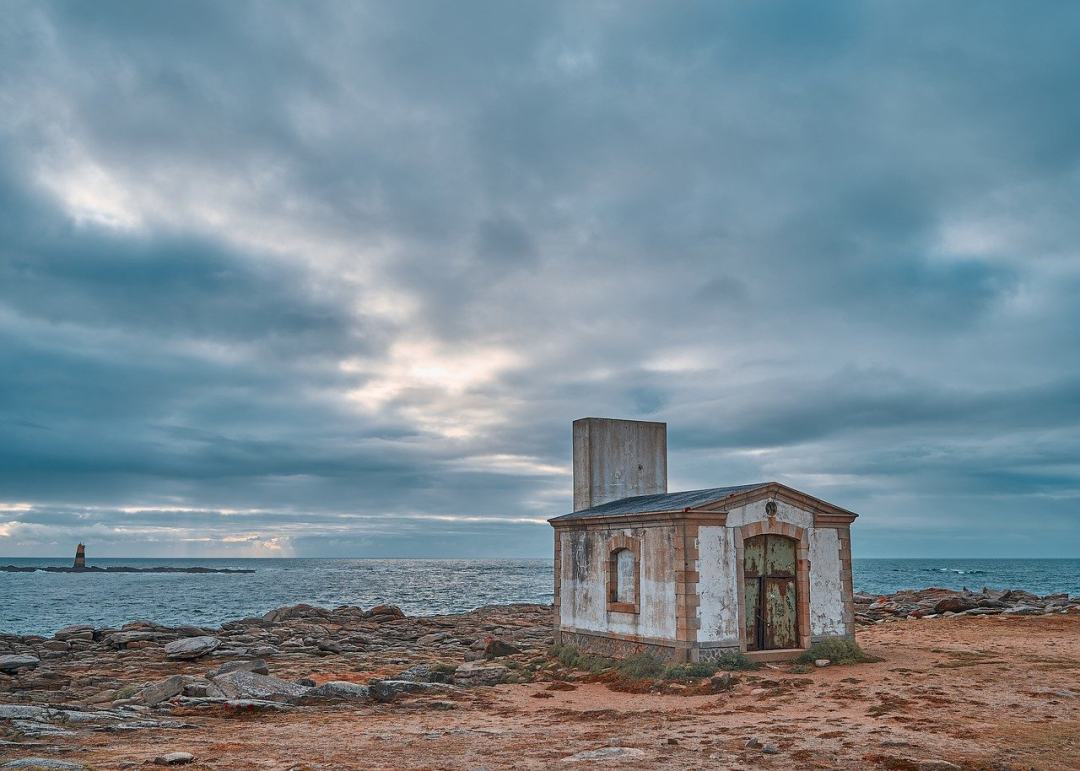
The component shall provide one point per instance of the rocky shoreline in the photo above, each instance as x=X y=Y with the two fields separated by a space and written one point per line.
x=58 y=692
x=931 y=603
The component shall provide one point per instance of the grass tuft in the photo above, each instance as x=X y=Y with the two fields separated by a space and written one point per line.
x=571 y=657
x=735 y=661
x=693 y=671
x=640 y=666
x=837 y=651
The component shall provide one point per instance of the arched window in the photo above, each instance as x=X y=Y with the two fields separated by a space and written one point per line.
x=623 y=571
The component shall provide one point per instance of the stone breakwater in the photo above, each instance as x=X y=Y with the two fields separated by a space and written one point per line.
x=934 y=602
x=114 y=569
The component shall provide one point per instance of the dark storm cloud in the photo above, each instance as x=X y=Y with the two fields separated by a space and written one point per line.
x=335 y=278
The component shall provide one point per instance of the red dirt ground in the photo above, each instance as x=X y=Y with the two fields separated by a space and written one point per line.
x=980 y=693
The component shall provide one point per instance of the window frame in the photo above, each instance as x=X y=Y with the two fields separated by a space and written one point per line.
x=619 y=544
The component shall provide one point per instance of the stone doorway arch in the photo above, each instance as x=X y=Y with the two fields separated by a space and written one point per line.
x=785 y=577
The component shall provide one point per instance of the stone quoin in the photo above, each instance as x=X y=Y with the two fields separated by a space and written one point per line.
x=760 y=568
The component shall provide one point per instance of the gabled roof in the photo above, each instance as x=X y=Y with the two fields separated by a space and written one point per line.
x=711 y=499
x=665 y=502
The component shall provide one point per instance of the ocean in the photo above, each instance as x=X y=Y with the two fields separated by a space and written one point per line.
x=41 y=603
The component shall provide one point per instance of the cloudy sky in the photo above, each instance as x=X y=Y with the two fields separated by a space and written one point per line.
x=333 y=279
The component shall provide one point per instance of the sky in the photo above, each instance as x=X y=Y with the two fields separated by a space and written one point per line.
x=334 y=278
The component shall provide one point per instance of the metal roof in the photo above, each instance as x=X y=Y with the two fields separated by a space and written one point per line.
x=642 y=504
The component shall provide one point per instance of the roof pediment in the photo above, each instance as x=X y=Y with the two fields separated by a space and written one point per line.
x=709 y=500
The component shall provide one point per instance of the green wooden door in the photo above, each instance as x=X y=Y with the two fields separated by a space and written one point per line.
x=771 y=620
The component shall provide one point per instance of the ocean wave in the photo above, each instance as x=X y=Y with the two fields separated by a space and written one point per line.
x=957 y=571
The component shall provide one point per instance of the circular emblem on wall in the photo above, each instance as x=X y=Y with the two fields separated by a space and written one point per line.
x=770 y=509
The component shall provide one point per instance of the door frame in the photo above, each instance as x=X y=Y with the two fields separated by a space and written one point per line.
x=763 y=581
x=770 y=526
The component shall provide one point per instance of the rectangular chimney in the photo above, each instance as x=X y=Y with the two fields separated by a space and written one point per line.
x=616 y=459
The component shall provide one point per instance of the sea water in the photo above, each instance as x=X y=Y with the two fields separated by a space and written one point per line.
x=40 y=603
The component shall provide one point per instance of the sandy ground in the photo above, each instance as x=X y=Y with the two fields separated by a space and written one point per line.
x=980 y=693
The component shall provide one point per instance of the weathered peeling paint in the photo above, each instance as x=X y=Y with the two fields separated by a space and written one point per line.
x=755 y=511
x=584 y=581
x=718 y=588
x=718 y=611
x=826 y=584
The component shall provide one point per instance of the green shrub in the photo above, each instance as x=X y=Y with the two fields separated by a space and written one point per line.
x=735 y=661
x=694 y=671
x=571 y=657
x=837 y=651
x=641 y=666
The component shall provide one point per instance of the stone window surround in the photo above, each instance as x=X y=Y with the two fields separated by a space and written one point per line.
x=615 y=545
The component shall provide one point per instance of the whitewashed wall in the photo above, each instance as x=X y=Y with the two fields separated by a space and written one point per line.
x=583 y=576
x=718 y=586
x=826 y=583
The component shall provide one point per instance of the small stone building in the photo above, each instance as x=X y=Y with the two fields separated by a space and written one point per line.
x=759 y=568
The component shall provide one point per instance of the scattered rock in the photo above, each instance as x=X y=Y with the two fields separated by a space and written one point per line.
x=174 y=759
x=257 y=705
x=289 y=612
x=248 y=685
x=425 y=673
x=49 y=763
x=75 y=632
x=124 y=639
x=822 y=663
x=203 y=689
x=559 y=685
x=1023 y=610
x=340 y=690
x=192 y=647
x=955 y=604
x=387 y=690
x=258 y=666
x=15 y=662
x=163 y=690
x=606 y=753
x=473 y=673
x=724 y=682
x=23 y=712
x=384 y=613
x=495 y=648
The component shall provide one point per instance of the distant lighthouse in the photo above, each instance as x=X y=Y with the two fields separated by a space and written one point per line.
x=80 y=557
